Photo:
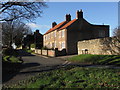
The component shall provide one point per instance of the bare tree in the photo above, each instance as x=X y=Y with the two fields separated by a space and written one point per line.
x=20 y=10
x=13 y=32
x=112 y=44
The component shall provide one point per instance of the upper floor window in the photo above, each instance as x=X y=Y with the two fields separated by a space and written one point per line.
x=59 y=34
x=54 y=34
x=62 y=33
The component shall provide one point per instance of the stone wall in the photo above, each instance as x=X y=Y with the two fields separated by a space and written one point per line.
x=103 y=46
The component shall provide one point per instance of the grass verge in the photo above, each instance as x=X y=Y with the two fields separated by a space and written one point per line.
x=73 y=77
x=11 y=59
x=96 y=59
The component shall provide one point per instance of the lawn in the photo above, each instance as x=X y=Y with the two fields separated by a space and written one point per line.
x=73 y=77
x=11 y=59
x=96 y=59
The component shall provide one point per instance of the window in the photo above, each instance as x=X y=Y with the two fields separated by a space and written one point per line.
x=63 y=33
x=55 y=45
x=63 y=45
x=51 y=35
x=59 y=34
x=54 y=34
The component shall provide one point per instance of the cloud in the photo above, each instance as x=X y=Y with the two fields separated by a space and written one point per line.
x=42 y=28
x=33 y=25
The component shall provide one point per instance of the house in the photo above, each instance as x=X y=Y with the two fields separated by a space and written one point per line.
x=66 y=34
x=36 y=38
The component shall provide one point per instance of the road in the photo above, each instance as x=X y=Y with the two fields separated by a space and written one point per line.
x=33 y=64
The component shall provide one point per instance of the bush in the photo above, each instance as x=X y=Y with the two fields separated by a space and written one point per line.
x=32 y=45
x=9 y=51
x=45 y=48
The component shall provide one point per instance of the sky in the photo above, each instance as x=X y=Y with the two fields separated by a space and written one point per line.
x=94 y=12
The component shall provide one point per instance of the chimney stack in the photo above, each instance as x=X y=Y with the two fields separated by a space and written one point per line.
x=79 y=14
x=37 y=31
x=68 y=17
x=54 y=24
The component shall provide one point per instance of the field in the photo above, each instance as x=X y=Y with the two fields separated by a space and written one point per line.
x=73 y=77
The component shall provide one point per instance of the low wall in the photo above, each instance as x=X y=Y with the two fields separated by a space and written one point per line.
x=51 y=53
x=103 y=46
x=33 y=49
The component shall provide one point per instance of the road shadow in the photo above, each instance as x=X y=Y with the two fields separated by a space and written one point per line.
x=22 y=53
x=10 y=70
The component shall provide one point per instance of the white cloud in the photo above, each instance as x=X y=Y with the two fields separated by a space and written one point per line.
x=33 y=25
x=42 y=28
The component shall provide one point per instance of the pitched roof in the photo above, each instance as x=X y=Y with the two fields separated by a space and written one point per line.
x=56 y=27
x=68 y=24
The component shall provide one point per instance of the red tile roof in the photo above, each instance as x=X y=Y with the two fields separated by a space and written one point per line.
x=61 y=25
x=68 y=24
x=56 y=27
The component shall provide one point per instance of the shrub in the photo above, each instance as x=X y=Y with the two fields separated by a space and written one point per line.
x=9 y=51
x=32 y=45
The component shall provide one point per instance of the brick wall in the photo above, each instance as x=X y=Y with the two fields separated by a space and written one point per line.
x=51 y=53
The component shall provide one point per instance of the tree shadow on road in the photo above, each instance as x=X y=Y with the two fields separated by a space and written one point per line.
x=24 y=53
x=10 y=70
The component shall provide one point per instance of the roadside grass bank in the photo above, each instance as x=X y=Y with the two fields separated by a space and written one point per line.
x=96 y=59
x=73 y=77
x=11 y=63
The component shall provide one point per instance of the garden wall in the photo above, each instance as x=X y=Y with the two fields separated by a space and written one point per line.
x=103 y=46
x=51 y=53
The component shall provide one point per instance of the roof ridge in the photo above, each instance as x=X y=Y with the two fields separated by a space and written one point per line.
x=56 y=27
x=68 y=24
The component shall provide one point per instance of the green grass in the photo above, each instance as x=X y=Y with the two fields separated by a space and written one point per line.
x=11 y=59
x=73 y=77
x=96 y=59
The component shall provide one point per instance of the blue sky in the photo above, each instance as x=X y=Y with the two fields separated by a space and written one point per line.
x=94 y=12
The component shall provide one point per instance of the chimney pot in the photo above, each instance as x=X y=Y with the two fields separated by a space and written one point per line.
x=54 y=24
x=79 y=14
x=68 y=17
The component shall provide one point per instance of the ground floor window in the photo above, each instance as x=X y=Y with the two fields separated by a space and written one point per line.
x=63 y=45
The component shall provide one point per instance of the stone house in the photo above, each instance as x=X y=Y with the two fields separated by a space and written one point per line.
x=66 y=34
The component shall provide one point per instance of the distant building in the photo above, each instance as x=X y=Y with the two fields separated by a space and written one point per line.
x=36 y=38
x=66 y=34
